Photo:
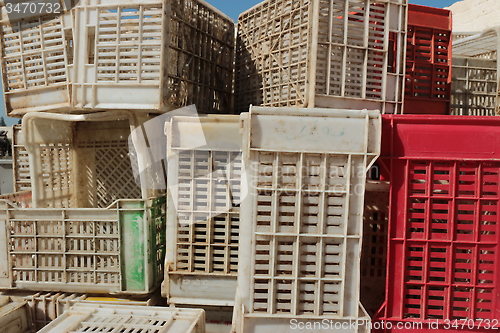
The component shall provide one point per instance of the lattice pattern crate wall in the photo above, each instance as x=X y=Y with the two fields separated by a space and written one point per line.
x=106 y=54
x=47 y=306
x=302 y=219
x=322 y=53
x=203 y=219
x=78 y=161
x=117 y=250
x=474 y=87
x=106 y=318
x=20 y=160
x=374 y=250
x=428 y=60
x=444 y=231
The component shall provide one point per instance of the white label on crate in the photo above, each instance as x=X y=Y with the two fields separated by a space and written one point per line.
x=308 y=134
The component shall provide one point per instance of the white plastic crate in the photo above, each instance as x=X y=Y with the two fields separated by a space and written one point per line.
x=322 y=53
x=44 y=307
x=14 y=316
x=302 y=221
x=475 y=81
x=474 y=87
x=150 y=55
x=80 y=161
x=118 y=250
x=203 y=220
x=374 y=250
x=106 y=318
x=20 y=162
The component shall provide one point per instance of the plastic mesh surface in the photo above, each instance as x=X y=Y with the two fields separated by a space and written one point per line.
x=304 y=248
x=208 y=230
x=34 y=53
x=474 y=87
x=449 y=241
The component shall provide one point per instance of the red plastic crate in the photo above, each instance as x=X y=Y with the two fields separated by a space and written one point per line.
x=444 y=229
x=428 y=60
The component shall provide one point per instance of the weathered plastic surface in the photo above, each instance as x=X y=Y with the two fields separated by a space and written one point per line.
x=302 y=221
x=428 y=61
x=118 y=250
x=203 y=219
x=476 y=81
x=47 y=306
x=151 y=56
x=80 y=161
x=339 y=54
x=14 y=316
x=474 y=87
x=107 y=318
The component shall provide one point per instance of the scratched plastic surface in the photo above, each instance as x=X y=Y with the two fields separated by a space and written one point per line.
x=203 y=217
x=306 y=172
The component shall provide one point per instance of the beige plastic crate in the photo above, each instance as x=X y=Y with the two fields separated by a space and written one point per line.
x=108 y=318
x=150 y=55
x=475 y=79
x=474 y=87
x=80 y=161
x=322 y=53
x=203 y=217
x=301 y=222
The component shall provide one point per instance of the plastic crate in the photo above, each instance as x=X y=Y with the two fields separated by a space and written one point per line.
x=44 y=307
x=20 y=161
x=329 y=53
x=474 y=87
x=107 y=318
x=14 y=316
x=118 y=250
x=443 y=248
x=203 y=217
x=80 y=161
x=374 y=250
x=428 y=60
x=302 y=222
x=150 y=55
x=476 y=96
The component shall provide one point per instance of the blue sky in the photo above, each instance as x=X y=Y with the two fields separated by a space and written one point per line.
x=233 y=9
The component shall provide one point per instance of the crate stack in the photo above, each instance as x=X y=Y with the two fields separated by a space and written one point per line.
x=428 y=61
x=475 y=78
x=83 y=81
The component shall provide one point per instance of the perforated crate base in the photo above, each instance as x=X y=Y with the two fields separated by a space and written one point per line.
x=107 y=318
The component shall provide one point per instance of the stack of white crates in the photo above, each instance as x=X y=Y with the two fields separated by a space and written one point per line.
x=301 y=227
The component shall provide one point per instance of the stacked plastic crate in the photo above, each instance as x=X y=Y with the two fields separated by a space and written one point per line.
x=83 y=80
x=322 y=53
x=428 y=61
x=443 y=224
x=475 y=78
x=301 y=228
